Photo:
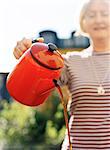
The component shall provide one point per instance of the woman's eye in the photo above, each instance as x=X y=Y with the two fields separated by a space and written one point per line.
x=91 y=15
x=105 y=14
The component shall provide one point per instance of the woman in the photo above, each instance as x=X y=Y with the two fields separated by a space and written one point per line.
x=87 y=75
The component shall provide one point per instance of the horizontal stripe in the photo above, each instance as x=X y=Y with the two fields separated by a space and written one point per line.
x=88 y=135
x=91 y=138
x=89 y=148
x=90 y=101
x=94 y=96
x=90 y=112
x=94 y=105
x=92 y=144
x=91 y=131
x=93 y=108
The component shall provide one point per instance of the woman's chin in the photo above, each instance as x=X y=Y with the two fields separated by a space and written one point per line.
x=101 y=37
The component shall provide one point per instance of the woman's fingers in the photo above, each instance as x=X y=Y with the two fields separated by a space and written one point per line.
x=21 y=47
x=24 y=45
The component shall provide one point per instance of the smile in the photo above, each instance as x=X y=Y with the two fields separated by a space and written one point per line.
x=99 y=28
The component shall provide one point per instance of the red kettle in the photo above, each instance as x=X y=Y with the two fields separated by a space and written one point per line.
x=32 y=79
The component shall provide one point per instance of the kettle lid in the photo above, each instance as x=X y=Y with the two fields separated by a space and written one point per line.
x=47 y=55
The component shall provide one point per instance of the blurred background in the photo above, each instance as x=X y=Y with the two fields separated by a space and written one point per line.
x=40 y=128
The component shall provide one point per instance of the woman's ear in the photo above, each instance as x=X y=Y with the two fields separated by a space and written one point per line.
x=83 y=26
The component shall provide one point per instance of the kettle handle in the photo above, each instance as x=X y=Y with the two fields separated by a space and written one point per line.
x=40 y=39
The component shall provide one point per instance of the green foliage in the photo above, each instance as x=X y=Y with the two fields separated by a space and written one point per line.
x=14 y=120
x=55 y=125
x=20 y=124
x=36 y=131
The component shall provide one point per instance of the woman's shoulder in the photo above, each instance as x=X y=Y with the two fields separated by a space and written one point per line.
x=78 y=54
x=69 y=55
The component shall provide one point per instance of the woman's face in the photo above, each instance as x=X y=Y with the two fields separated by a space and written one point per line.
x=97 y=20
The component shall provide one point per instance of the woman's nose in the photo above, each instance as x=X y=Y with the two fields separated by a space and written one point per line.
x=98 y=18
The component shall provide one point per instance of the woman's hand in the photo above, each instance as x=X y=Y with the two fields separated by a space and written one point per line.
x=21 y=47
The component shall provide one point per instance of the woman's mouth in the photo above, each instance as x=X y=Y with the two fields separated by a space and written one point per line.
x=99 y=28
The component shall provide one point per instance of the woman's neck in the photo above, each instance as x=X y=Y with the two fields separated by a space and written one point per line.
x=101 y=45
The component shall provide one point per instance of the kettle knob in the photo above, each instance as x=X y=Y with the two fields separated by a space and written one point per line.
x=52 y=47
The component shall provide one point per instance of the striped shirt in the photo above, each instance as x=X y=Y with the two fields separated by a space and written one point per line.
x=89 y=111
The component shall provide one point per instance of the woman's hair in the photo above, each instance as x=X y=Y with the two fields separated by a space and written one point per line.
x=84 y=11
x=82 y=15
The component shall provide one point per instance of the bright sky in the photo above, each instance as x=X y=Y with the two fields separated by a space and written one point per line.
x=26 y=18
